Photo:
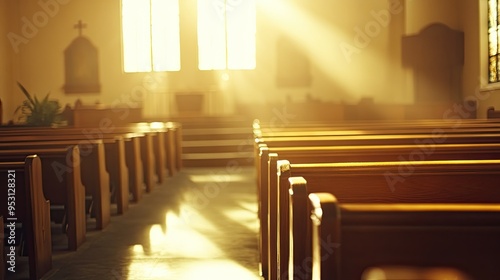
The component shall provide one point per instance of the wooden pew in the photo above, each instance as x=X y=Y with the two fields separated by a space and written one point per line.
x=123 y=150
x=348 y=238
x=263 y=173
x=437 y=182
x=170 y=133
x=268 y=192
x=153 y=143
x=116 y=145
x=175 y=136
x=93 y=171
x=261 y=130
x=31 y=209
x=61 y=185
x=427 y=133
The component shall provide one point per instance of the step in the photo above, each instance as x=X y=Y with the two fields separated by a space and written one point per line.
x=197 y=156
x=218 y=162
x=218 y=143
x=217 y=149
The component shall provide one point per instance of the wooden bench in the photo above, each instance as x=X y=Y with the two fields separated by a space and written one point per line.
x=61 y=189
x=118 y=147
x=32 y=209
x=268 y=190
x=349 y=238
x=427 y=133
x=158 y=143
x=454 y=181
x=93 y=172
x=262 y=130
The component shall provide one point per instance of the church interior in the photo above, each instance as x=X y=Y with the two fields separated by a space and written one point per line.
x=250 y=139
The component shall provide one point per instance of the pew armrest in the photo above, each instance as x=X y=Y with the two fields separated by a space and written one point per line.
x=325 y=230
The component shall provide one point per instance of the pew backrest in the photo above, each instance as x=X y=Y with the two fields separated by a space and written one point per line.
x=446 y=181
x=459 y=236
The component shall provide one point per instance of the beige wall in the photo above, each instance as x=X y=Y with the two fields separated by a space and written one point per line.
x=7 y=65
x=354 y=52
x=421 y=13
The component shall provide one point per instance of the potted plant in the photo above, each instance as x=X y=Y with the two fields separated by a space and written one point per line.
x=39 y=113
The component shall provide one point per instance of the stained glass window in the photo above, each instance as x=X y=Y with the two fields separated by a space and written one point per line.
x=493 y=41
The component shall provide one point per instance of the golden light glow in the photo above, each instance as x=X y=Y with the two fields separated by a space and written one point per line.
x=243 y=216
x=156 y=125
x=219 y=270
x=320 y=40
x=219 y=178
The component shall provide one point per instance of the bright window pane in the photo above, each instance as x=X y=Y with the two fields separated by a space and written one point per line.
x=166 y=39
x=136 y=35
x=241 y=24
x=150 y=31
x=239 y=17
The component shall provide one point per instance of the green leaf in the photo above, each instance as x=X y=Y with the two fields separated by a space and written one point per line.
x=26 y=93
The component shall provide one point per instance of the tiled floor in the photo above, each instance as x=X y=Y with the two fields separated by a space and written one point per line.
x=199 y=224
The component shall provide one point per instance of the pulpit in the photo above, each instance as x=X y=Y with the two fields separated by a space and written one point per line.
x=436 y=55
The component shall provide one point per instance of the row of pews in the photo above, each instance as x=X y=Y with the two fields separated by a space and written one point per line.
x=379 y=200
x=76 y=176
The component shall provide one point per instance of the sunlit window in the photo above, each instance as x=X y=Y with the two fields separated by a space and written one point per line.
x=493 y=41
x=226 y=34
x=150 y=30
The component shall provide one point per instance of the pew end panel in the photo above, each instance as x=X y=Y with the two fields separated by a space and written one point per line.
x=282 y=244
x=118 y=172
x=272 y=223
x=38 y=218
x=299 y=256
x=32 y=209
x=325 y=222
x=96 y=180
x=135 y=166
x=263 y=214
x=77 y=226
